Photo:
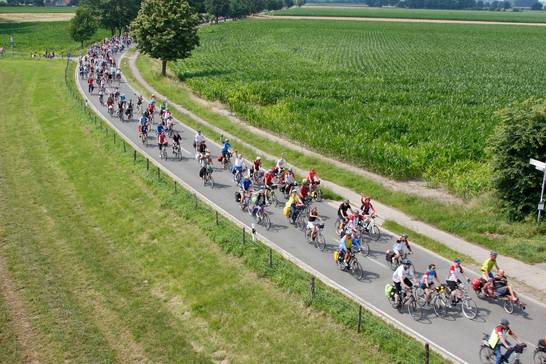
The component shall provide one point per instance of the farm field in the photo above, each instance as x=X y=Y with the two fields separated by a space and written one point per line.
x=93 y=279
x=37 y=9
x=365 y=12
x=405 y=100
x=37 y=36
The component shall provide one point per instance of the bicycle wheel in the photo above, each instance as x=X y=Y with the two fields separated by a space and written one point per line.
x=318 y=195
x=539 y=357
x=414 y=309
x=266 y=222
x=356 y=267
x=365 y=249
x=469 y=308
x=375 y=233
x=321 y=241
x=394 y=264
x=487 y=355
x=211 y=182
x=440 y=306
x=509 y=306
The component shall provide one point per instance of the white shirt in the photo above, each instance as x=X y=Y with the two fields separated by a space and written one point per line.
x=290 y=179
x=199 y=138
x=281 y=163
x=400 y=273
x=238 y=162
x=398 y=247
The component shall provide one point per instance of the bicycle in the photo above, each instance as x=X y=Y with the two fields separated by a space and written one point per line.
x=394 y=262
x=469 y=308
x=362 y=245
x=226 y=161
x=407 y=299
x=316 y=193
x=539 y=355
x=177 y=151
x=354 y=267
x=163 y=152
x=262 y=218
x=271 y=196
x=487 y=354
x=319 y=241
x=144 y=138
x=207 y=179
x=371 y=228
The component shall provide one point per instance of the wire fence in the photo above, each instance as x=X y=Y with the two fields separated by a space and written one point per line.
x=246 y=237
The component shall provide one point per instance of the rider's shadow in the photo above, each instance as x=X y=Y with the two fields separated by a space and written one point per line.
x=276 y=227
x=482 y=314
x=369 y=276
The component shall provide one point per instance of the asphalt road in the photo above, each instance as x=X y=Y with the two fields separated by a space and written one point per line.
x=456 y=334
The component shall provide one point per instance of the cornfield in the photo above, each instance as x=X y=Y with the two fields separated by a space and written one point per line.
x=405 y=100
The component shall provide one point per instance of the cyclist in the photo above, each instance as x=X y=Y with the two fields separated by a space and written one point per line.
x=486 y=269
x=258 y=201
x=162 y=142
x=502 y=288
x=206 y=168
x=312 y=222
x=304 y=190
x=295 y=204
x=152 y=101
x=256 y=165
x=289 y=181
x=345 y=248
x=498 y=339
x=427 y=281
x=162 y=107
x=453 y=281
x=225 y=149
x=268 y=178
x=129 y=110
x=101 y=97
x=122 y=99
x=401 y=279
x=238 y=165
x=139 y=103
x=160 y=128
x=366 y=205
x=343 y=215
x=281 y=164
x=177 y=138
x=314 y=181
x=198 y=139
x=399 y=245
x=245 y=189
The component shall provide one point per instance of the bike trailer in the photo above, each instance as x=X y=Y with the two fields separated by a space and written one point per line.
x=389 y=288
x=476 y=284
x=237 y=196
x=336 y=256
x=286 y=211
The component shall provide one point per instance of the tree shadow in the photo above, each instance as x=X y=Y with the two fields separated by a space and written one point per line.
x=185 y=75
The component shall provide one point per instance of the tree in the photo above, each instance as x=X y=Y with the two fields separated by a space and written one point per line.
x=537 y=6
x=166 y=29
x=520 y=135
x=83 y=25
x=114 y=14
x=217 y=8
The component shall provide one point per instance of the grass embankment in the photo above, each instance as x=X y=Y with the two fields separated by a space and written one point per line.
x=111 y=266
x=30 y=37
x=365 y=12
x=480 y=222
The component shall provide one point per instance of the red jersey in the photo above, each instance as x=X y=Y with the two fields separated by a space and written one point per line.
x=268 y=178
x=311 y=176
x=304 y=191
x=257 y=164
x=162 y=138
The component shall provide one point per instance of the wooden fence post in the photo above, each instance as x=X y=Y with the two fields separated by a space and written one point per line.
x=427 y=353
x=312 y=286
x=359 y=319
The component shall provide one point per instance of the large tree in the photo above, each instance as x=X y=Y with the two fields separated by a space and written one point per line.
x=217 y=8
x=520 y=135
x=166 y=29
x=114 y=14
x=83 y=25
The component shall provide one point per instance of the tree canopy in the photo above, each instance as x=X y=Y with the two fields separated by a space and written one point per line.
x=114 y=14
x=166 y=29
x=83 y=25
x=520 y=135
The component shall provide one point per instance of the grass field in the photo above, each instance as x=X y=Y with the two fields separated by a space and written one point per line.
x=37 y=36
x=479 y=221
x=105 y=264
x=476 y=15
x=404 y=100
x=37 y=9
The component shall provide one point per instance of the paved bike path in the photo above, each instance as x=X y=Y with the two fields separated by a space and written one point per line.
x=456 y=335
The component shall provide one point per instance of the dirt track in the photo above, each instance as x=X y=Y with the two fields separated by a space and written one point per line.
x=25 y=17
x=400 y=20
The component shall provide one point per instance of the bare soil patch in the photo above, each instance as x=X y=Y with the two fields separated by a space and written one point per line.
x=28 y=17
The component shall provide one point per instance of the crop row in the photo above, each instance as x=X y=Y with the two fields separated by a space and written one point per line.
x=405 y=100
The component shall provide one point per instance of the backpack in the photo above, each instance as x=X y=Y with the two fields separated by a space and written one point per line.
x=389 y=288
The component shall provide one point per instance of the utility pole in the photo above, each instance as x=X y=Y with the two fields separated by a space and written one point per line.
x=11 y=44
x=540 y=166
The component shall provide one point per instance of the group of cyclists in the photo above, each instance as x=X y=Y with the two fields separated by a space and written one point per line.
x=257 y=185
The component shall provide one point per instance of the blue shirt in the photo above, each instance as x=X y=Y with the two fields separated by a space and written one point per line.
x=225 y=147
x=122 y=97
x=143 y=120
x=160 y=128
x=245 y=184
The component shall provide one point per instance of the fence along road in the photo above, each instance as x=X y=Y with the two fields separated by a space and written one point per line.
x=455 y=337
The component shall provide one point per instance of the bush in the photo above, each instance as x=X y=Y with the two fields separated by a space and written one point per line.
x=520 y=135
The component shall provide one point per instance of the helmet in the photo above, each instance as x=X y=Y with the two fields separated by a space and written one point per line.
x=404 y=235
x=312 y=170
x=493 y=253
x=304 y=181
x=406 y=262
x=258 y=158
x=226 y=140
x=457 y=260
x=504 y=322
x=289 y=169
x=198 y=131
